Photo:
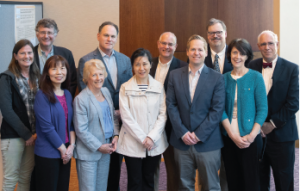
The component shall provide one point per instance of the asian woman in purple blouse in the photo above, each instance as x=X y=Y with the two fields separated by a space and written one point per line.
x=56 y=137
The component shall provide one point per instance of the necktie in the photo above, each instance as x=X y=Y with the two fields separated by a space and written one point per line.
x=216 y=64
x=267 y=65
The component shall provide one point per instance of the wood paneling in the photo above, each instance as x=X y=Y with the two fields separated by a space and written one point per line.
x=246 y=19
x=141 y=23
x=185 y=18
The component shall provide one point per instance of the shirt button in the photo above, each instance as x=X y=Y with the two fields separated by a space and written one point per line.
x=249 y=120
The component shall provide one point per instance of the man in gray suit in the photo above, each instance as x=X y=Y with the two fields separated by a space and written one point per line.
x=119 y=70
x=195 y=102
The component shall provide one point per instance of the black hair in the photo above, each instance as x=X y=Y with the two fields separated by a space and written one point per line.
x=141 y=52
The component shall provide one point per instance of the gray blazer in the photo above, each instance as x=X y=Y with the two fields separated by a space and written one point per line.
x=88 y=124
x=124 y=73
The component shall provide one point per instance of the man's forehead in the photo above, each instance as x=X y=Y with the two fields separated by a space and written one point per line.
x=46 y=28
x=168 y=37
x=266 y=37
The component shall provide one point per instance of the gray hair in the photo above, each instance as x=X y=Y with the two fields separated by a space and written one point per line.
x=275 y=37
x=171 y=34
x=93 y=62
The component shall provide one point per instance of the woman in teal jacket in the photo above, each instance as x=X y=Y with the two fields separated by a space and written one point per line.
x=246 y=109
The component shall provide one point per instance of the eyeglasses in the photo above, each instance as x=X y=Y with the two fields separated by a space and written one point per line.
x=218 y=33
x=46 y=32
x=165 y=43
x=268 y=43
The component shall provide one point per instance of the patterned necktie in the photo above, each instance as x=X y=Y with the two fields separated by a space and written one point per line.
x=216 y=64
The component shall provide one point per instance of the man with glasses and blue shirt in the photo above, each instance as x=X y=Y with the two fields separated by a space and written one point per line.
x=46 y=32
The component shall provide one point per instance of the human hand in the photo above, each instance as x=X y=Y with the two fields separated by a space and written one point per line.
x=240 y=142
x=148 y=143
x=262 y=134
x=62 y=149
x=249 y=138
x=69 y=152
x=195 y=137
x=267 y=128
x=106 y=148
x=189 y=139
x=30 y=141
x=115 y=143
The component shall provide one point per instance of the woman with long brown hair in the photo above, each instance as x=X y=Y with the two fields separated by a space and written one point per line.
x=19 y=85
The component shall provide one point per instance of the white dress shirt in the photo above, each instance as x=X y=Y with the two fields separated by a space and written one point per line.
x=111 y=64
x=267 y=74
x=193 y=81
x=162 y=71
x=221 y=58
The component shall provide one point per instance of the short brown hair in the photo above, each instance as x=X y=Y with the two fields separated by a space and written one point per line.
x=47 y=23
x=214 y=21
x=196 y=37
x=108 y=23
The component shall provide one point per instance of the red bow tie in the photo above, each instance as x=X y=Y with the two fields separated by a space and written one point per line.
x=267 y=64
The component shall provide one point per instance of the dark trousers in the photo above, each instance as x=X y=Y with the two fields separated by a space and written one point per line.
x=281 y=157
x=141 y=172
x=51 y=174
x=242 y=165
x=114 y=172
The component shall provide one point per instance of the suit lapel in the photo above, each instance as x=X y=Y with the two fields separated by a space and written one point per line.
x=96 y=104
x=227 y=65
x=277 y=70
x=153 y=67
x=185 y=84
x=174 y=65
x=201 y=83
x=208 y=60
x=36 y=56
x=120 y=70
x=97 y=55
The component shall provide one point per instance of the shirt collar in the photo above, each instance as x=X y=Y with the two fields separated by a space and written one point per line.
x=168 y=63
x=199 y=71
x=41 y=52
x=273 y=62
x=103 y=54
x=220 y=54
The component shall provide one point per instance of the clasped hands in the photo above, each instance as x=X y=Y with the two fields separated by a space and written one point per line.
x=190 y=138
x=266 y=128
x=66 y=153
x=31 y=140
x=109 y=148
x=242 y=142
x=148 y=143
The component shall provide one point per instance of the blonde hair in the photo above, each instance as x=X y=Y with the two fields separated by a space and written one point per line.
x=196 y=37
x=93 y=62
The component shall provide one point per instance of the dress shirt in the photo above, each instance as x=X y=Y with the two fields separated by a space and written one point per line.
x=193 y=81
x=267 y=74
x=43 y=58
x=111 y=64
x=162 y=71
x=221 y=58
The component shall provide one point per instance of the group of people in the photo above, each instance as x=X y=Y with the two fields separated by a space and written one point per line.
x=218 y=112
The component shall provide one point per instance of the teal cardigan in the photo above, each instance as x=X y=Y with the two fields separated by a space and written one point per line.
x=251 y=100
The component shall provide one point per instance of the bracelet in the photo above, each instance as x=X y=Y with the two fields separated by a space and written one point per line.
x=73 y=145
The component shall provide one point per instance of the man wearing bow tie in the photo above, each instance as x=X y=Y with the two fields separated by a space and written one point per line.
x=280 y=129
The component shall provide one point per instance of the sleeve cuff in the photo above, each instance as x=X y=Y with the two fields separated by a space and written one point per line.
x=271 y=121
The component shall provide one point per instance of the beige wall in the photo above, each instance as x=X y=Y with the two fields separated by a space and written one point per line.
x=78 y=22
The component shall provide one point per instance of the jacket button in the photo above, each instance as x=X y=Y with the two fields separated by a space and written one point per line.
x=249 y=120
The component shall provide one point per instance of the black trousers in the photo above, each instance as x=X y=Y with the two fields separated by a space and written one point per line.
x=114 y=172
x=242 y=165
x=51 y=174
x=281 y=157
x=141 y=172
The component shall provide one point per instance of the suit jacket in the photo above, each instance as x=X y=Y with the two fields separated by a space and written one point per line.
x=283 y=99
x=89 y=124
x=124 y=73
x=201 y=116
x=67 y=54
x=208 y=61
x=51 y=124
x=176 y=63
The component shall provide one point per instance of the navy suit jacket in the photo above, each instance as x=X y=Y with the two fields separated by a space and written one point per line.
x=67 y=54
x=124 y=73
x=208 y=61
x=176 y=63
x=283 y=99
x=201 y=116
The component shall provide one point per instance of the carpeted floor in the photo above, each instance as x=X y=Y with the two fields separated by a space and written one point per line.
x=163 y=180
